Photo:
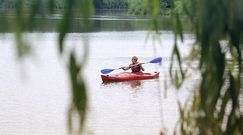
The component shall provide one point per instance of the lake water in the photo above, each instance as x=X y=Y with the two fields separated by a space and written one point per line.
x=35 y=92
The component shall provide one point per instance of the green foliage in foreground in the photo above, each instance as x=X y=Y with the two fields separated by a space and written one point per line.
x=216 y=105
x=25 y=12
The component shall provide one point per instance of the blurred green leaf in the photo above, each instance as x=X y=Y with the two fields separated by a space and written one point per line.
x=79 y=95
x=66 y=21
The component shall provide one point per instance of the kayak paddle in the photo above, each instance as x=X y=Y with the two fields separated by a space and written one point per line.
x=106 y=71
x=155 y=60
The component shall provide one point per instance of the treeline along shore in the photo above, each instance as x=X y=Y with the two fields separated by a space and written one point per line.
x=132 y=6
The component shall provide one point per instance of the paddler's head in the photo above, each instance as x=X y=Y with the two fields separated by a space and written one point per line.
x=134 y=59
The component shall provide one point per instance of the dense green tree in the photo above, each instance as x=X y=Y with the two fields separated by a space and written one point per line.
x=8 y=4
x=141 y=7
x=110 y=4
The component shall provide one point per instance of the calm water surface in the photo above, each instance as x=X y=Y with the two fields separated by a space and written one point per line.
x=35 y=93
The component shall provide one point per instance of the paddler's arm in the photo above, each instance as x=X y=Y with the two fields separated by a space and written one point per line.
x=125 y=68
x=140 y=64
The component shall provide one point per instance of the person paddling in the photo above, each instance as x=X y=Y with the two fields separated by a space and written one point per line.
x=136 y=67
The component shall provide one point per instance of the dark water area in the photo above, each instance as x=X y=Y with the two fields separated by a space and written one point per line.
x=102 y=20
x=95 y=24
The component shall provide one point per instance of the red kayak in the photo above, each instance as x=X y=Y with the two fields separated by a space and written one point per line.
x=128 y=76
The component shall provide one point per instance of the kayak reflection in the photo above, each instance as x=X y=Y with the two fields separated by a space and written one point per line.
x=134 y=83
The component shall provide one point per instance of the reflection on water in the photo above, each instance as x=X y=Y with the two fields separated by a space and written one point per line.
x=135 y=84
